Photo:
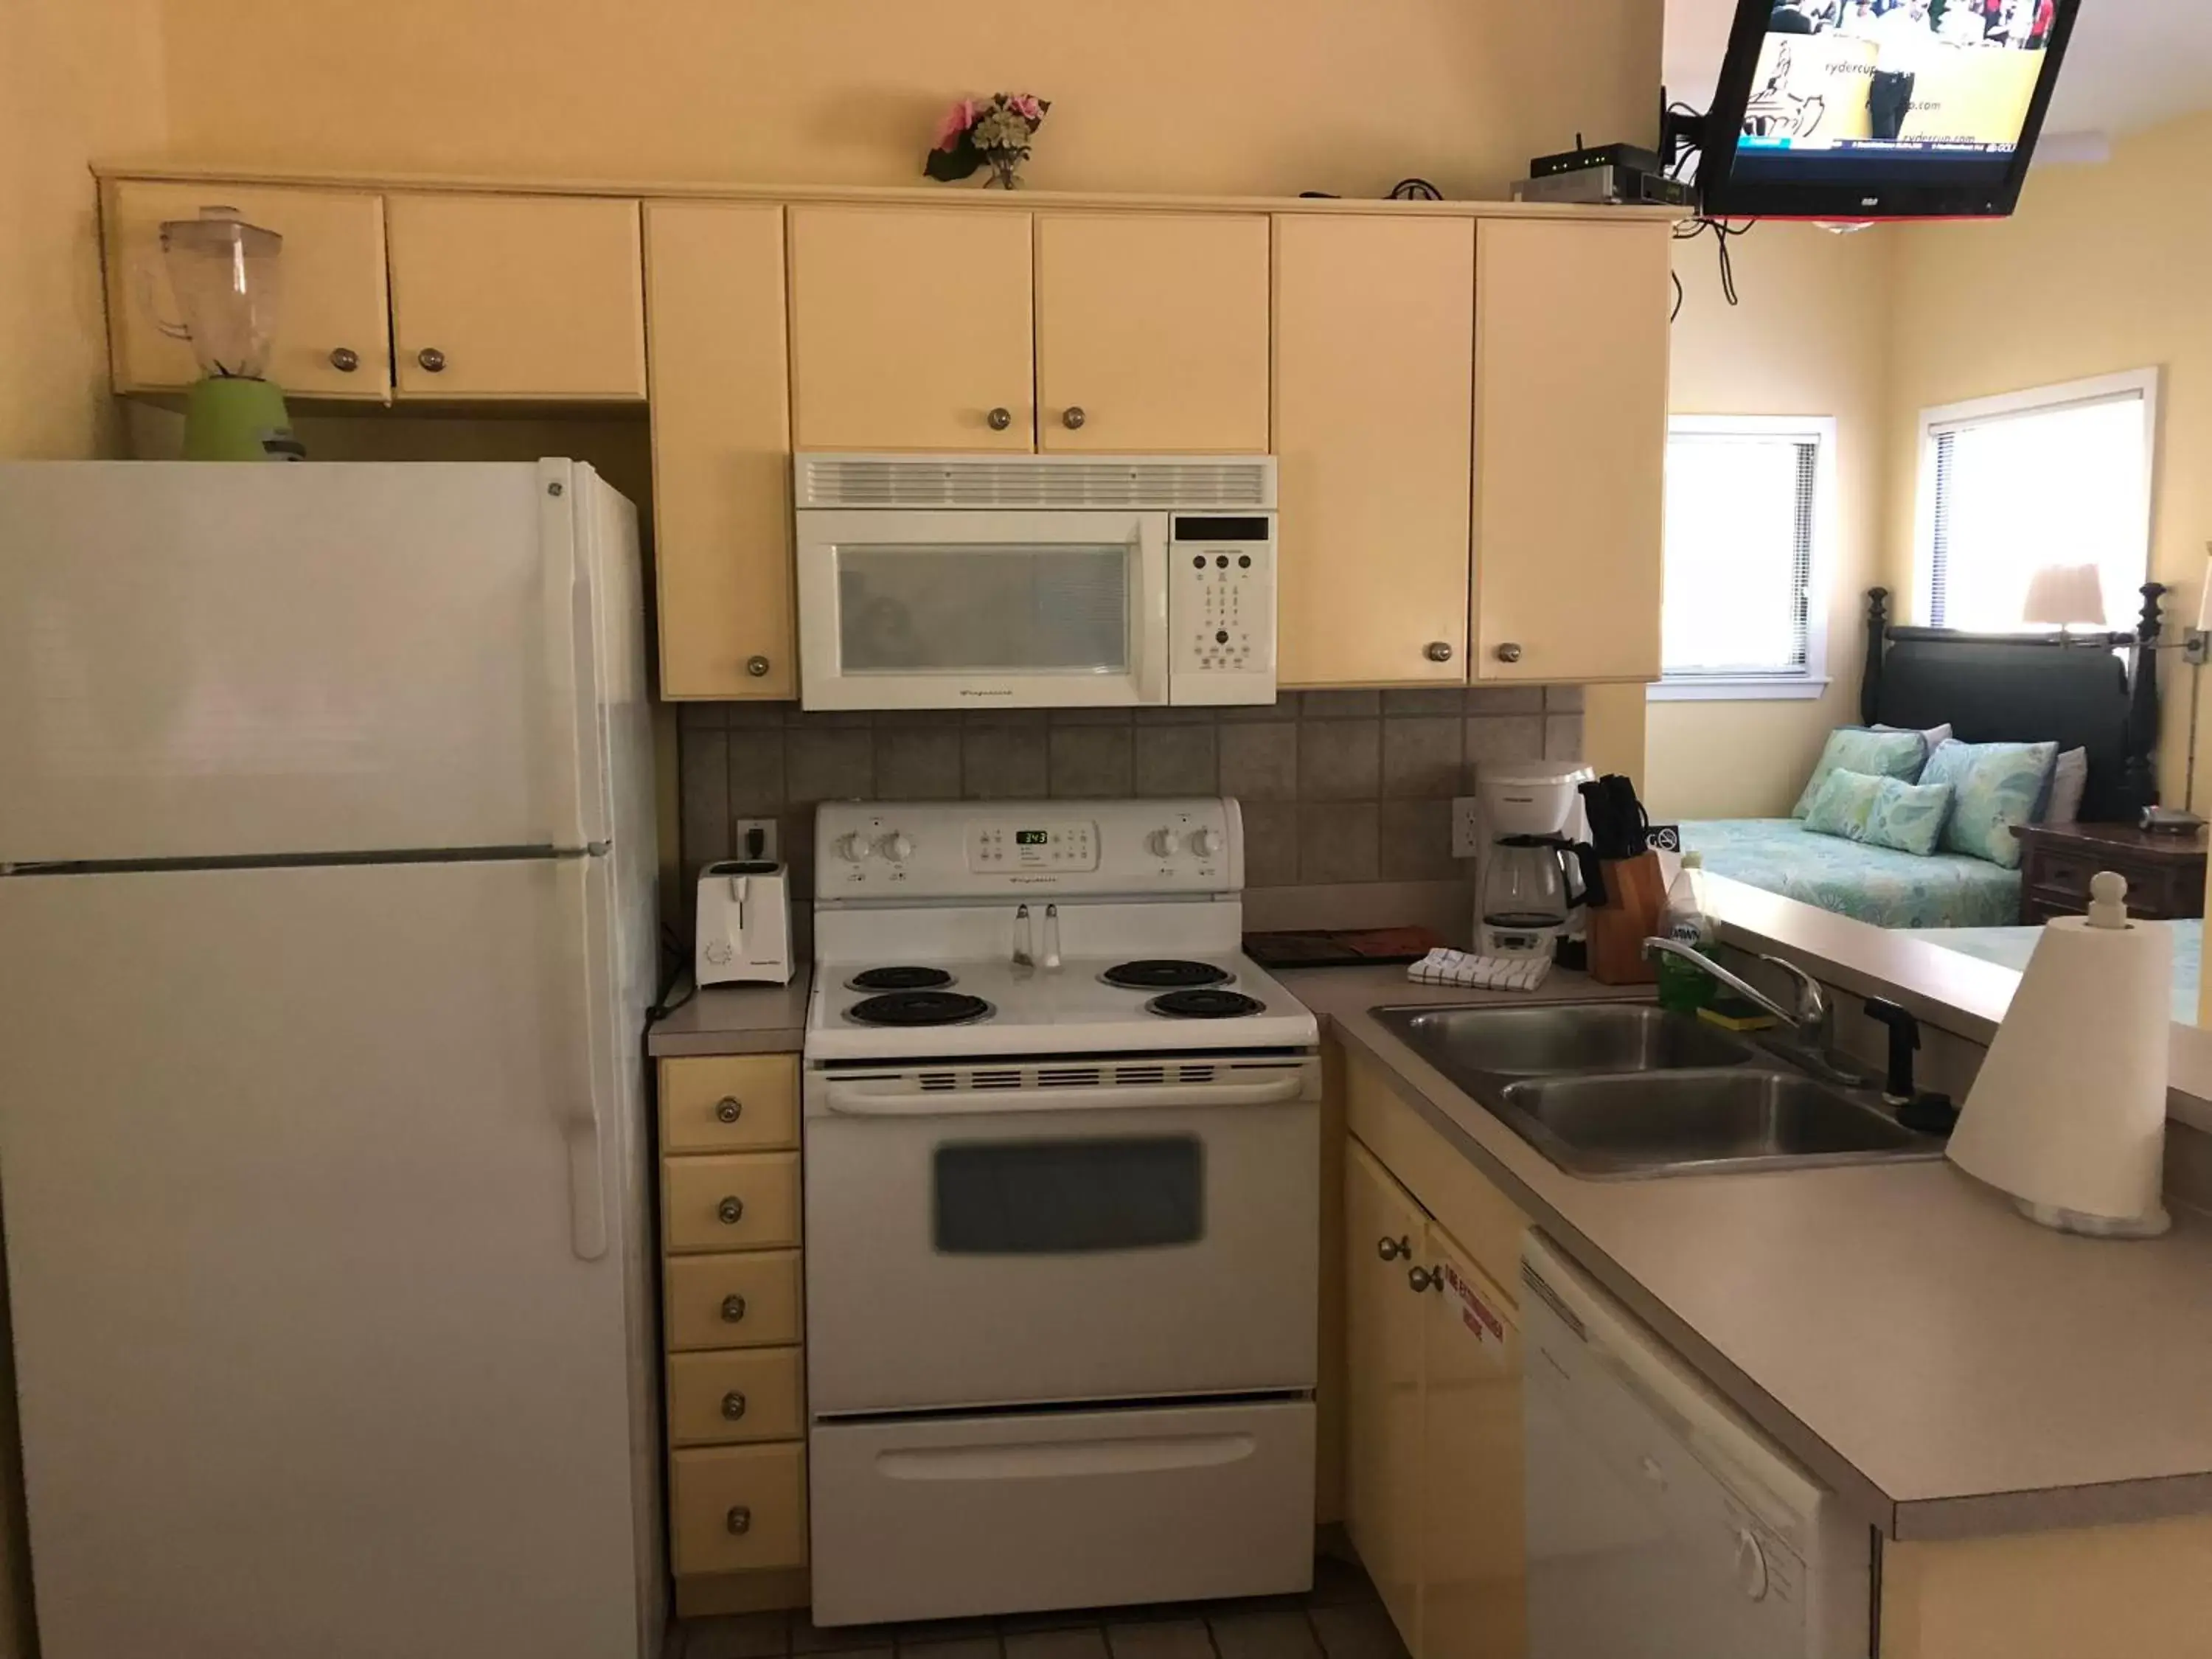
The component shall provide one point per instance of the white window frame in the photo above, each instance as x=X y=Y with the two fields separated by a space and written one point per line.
x=2035 y=400
x=1812 y=681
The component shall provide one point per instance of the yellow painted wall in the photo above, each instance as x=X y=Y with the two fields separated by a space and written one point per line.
x=2104 y=268
x=1269 y=97
x=1811 y=338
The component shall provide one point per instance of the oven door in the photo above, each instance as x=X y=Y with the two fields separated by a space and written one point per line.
x=1049 y=1232
x=931 y=609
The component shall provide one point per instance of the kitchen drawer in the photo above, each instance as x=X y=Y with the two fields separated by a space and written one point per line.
x=747 y=1393
x=731 y=1201
x=2066 y=876
x=748 y=1300
x=729 y=1103
x=734 y=1508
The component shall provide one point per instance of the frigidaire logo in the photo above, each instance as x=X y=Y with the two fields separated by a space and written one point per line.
x=1001 y=691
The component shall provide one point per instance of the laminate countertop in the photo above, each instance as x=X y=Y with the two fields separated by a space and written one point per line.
x=737 y=1019
x=1948 y=1367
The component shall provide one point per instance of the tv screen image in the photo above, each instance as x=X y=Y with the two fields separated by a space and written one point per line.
x=1881 y=108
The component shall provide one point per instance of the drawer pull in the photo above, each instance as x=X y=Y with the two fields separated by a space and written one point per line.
x=729 y=1109
x=431 y=359
x=733 y=1405
x=739 y=1520
x=731 y=1211
x=733 y=1309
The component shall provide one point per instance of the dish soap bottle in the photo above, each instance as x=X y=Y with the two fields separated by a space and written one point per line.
x=1682 y=988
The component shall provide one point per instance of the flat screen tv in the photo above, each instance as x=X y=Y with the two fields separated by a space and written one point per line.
x=1881 y=109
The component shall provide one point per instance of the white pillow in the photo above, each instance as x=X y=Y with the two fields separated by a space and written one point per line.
x=1935 y=735
x=2069 y=778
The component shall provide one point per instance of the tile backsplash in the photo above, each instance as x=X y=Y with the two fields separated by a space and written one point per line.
x=1337 y=786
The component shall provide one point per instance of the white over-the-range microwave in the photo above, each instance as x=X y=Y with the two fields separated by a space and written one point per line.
x=1033 y=582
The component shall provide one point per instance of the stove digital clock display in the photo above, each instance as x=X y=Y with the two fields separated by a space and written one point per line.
x=1032 y=838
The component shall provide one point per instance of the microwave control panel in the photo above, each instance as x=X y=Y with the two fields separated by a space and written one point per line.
x=1221 y=608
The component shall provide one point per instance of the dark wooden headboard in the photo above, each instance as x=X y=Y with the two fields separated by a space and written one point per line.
x=2028 y=688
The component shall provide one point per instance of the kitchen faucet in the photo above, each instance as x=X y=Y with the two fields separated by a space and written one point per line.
x=1808 y=1019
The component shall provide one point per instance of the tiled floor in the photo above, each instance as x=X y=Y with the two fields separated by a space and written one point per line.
x=1339 y=1619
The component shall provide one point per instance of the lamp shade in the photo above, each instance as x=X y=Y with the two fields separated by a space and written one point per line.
x=2064 y=593
x=2068 y=1112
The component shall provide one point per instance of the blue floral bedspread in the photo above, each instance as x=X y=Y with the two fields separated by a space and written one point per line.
x=2010 y=947
x=1868 y=883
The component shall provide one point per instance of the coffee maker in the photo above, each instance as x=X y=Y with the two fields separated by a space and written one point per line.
x=1538 y=867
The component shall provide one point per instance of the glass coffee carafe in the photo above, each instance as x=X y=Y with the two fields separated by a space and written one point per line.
x=1530 y=885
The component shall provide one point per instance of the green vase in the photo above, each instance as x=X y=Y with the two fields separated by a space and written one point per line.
x=230 y=417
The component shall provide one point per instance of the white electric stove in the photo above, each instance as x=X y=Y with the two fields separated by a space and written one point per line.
x=1062 y=1216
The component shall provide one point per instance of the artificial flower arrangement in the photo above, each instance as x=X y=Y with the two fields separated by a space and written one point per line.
x=992 y=132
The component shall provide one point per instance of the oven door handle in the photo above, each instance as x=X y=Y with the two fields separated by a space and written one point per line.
x=858 y=1100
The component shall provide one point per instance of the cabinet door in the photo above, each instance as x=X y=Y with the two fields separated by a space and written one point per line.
x=1570 y=449
x=1471 y=1554
x=1383 y=1318
x=910 y=328
x=722 y=456
x=516 y=296
x=1373 y=388
x=1151 y=333
x=331 y=310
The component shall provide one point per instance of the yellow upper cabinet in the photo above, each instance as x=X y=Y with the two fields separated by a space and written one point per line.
x=1374 y=387
x=1570 y=446
x=516 y=296
x=910 y=328
x=1151 y=333
x=331 y=337
x=721 y=462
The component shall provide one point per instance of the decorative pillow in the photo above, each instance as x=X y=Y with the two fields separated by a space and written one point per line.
x=1842 y=807
x=1908 y=818
x=1935 y=735
x=1857 y=749
x=2069 y=778
x=1998 y=787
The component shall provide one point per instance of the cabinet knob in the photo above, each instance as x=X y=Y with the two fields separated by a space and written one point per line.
x=431 y=359
x=757 y=667
x=729 y=1109
x=1390 y=1249
x=344 y=359
x=732 y=1210
x=733 y=1405
x=1000 y=419
x=1424 y=1279
x=733 y=1309
x=739 y=1520
x=1438 y=651
x=1073 y=417
x=1509 y=651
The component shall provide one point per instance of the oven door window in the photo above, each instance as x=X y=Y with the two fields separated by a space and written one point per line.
x=1063 y=1197
x=1036 y=608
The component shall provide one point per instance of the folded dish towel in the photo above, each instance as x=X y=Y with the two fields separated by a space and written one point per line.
x=1482 y=973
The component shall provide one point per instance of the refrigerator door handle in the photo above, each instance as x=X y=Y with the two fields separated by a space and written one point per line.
x=577 y=1095
x=564 y=650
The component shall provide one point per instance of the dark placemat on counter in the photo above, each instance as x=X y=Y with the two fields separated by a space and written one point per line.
x=1341 y=947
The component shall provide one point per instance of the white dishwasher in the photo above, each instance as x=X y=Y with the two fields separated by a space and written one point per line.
x=1661 y=1523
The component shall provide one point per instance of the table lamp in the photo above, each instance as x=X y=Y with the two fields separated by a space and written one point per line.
x=2065 y=595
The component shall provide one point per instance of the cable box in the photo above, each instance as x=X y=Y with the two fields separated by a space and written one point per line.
x=1612 y=184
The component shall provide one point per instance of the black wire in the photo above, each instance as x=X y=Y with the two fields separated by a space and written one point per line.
x=1723 y=232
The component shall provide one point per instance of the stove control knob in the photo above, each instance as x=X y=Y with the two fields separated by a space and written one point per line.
x=853 y=848
x=1206 y=844
x=896 y=848
x=1165 y=843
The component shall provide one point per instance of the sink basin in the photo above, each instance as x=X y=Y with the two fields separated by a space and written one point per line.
x=1478 y=1044
x=1675 y=1122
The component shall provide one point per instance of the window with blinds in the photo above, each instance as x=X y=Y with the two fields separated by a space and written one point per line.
x=1746 y=501
x=2010 y=486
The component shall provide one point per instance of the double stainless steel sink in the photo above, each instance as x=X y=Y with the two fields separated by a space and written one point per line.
x=1623 y=1091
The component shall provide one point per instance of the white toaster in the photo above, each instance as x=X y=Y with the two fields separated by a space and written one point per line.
x=744 y=934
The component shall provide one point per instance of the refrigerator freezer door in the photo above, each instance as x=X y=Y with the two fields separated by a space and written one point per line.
x=206 y=661
x=308 y=1359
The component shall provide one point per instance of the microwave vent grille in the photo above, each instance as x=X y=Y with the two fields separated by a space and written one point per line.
x=1038 y=482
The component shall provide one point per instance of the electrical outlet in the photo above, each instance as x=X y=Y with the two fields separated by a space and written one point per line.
x=765 y=830
x=1467 y=827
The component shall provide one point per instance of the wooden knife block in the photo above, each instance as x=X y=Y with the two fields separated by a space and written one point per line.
x=1635 y=894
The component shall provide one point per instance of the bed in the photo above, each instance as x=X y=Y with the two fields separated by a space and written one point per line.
x=1989 y=687
x=2010 y=947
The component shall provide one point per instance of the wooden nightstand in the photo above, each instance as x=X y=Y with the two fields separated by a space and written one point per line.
x=2166 y=874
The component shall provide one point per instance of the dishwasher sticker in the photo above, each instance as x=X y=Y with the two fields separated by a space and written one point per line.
x=1474 y=1312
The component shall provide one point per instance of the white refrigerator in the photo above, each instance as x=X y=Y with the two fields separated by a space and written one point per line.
x=327 y=931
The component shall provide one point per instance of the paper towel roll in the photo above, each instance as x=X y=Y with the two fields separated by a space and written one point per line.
x=2068 y=1112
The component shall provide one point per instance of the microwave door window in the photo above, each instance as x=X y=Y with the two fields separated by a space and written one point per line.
x=1042 y=609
